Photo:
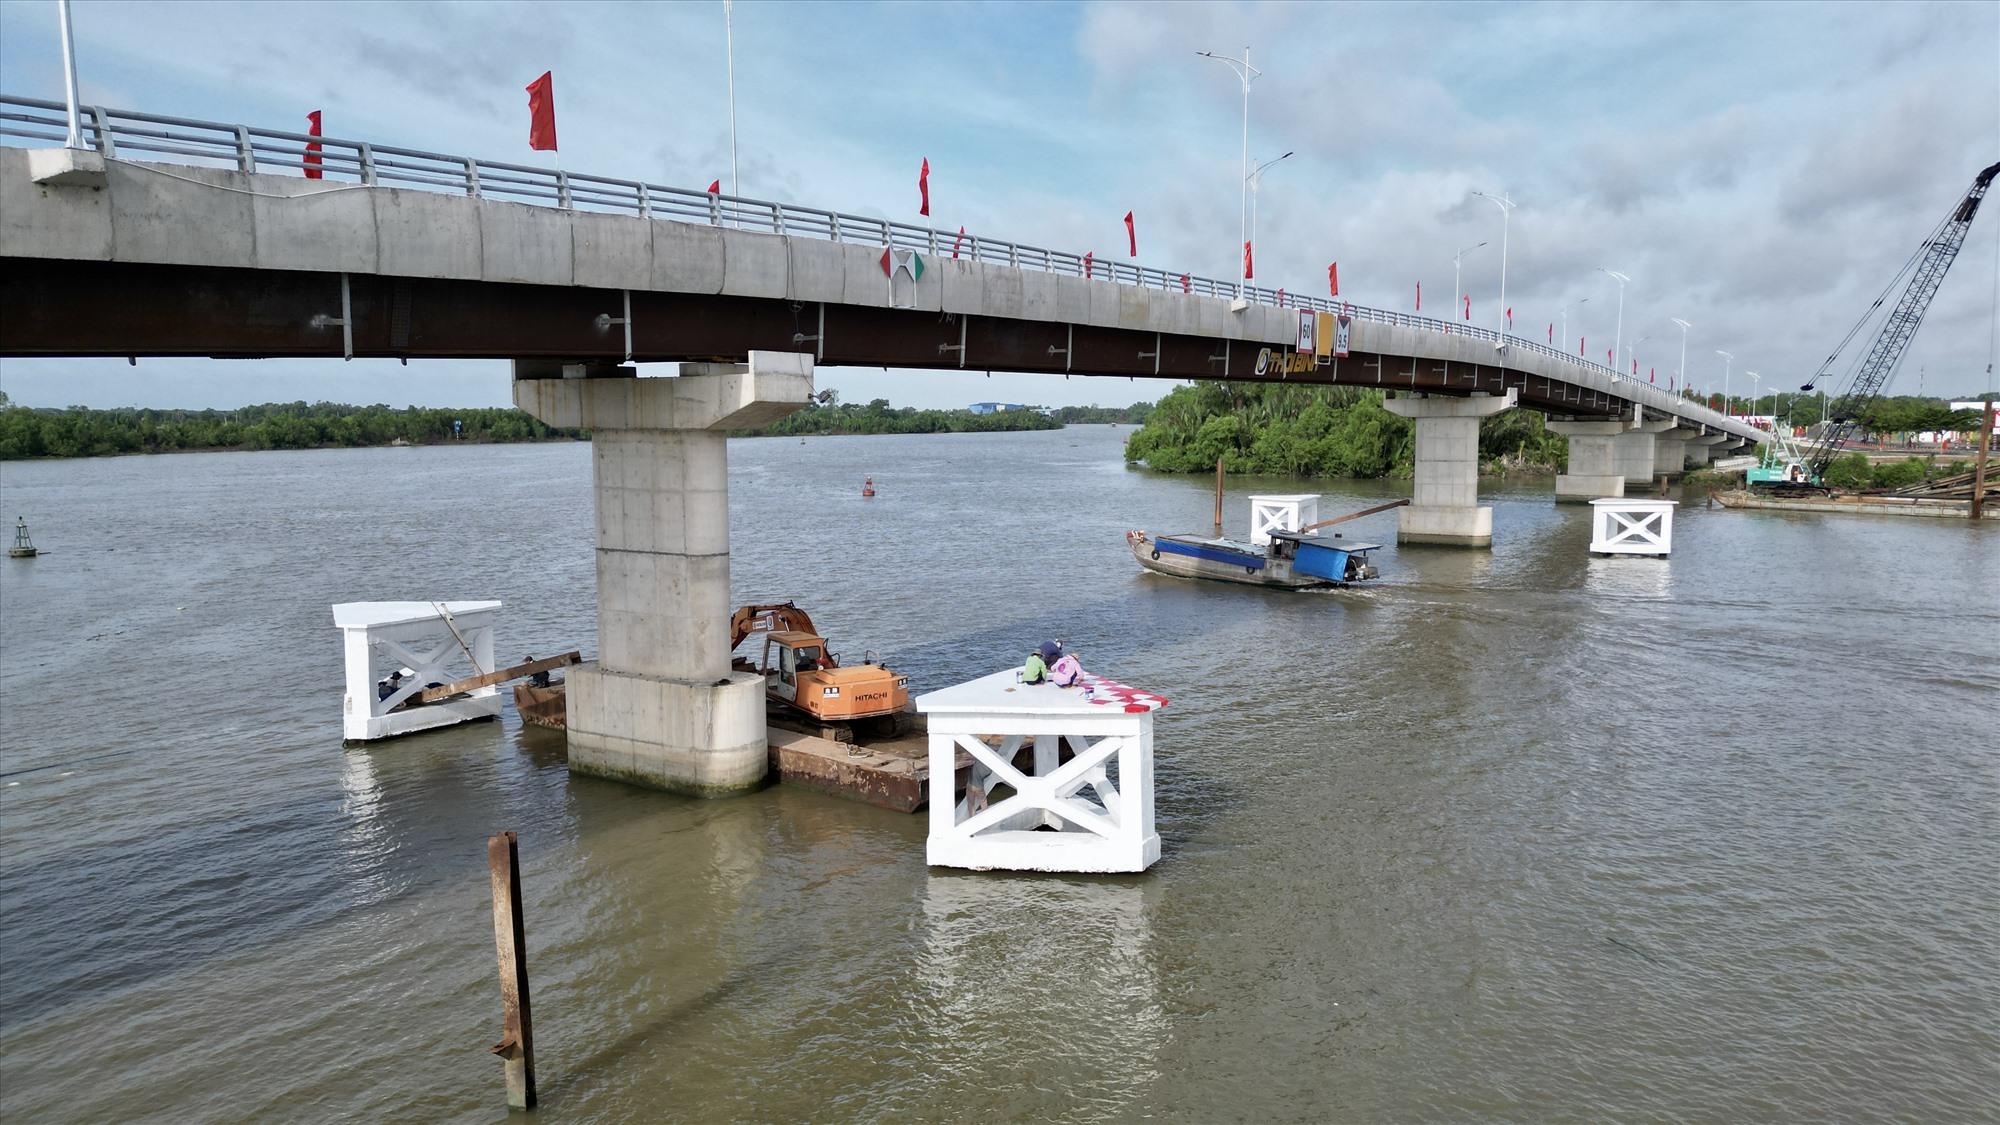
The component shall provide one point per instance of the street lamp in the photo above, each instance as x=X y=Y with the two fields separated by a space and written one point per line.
x=1727 y=359
x=1755 y=391
x=1631 y=350
x=1506 y=206
x=1621 y=279
x=1257 y=177
x=1681 y=371
x=1457 y=290
x=1753 y=382
x=1565 y=317
x=1247 y=74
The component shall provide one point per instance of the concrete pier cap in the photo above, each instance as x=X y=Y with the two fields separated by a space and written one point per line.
x=660 y=707
x=1444 y=505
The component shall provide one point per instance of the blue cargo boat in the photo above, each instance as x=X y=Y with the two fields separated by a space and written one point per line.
x=1290 y=561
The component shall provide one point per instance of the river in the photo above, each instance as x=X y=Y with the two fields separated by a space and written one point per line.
x=1513 y=835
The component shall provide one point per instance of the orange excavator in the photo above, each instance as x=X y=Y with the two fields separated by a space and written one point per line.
x=802 y=676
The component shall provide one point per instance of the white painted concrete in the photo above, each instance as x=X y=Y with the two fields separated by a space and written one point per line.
x=438 y=647
x=1288 y=512
x=1632 y=527
x=1109 y=829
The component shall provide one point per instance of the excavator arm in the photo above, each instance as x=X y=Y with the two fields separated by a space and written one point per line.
x=774 y=618
x=1926 y=269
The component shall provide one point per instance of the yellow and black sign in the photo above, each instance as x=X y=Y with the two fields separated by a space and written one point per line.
x=1282 y=362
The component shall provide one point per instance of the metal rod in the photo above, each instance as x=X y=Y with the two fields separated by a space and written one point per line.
x=69 y=76
x=517 y=1043
x=729 y=37
x=1218 y=497
x=1979 y=464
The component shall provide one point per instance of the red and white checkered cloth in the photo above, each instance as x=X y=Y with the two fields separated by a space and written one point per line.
x=1111 y=693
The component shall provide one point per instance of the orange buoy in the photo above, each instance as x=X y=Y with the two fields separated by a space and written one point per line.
x=868 y=486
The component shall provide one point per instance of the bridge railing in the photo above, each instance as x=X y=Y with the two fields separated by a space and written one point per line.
x=122 y=134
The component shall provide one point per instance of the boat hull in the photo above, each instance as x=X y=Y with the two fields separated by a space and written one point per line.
x=1204 y=559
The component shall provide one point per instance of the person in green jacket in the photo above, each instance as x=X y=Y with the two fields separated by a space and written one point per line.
x=1036 y=670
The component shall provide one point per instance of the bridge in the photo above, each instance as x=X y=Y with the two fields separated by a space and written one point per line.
x=217 y=244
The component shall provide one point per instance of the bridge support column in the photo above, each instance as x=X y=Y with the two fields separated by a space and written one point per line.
x=1633 y=455
x=1445 y=505
x=1701 y=450
x=660 y=706
x=1670 y=451
x=1592 y=471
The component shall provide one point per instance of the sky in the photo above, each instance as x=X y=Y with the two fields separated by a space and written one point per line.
x=1759 y=170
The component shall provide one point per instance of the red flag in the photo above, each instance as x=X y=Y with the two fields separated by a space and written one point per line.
x=924 y=185
x=1635 y=368
x=1248 y=271
x=1131 y=234
x=1333 y=279
x=1579 y=346
x=956 y=241
x=1187 y=284
x=1468 y=306
x=1608 y=360
x=1552 y=333
x=1510 y=318
x=715 y=187
x=1087 y=256
x=312 y=147
x=1281 y=296
x=1653 y=375
x=542 y=113
x=1420 y=296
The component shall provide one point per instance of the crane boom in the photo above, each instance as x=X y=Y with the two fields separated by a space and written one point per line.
x=1926 y=269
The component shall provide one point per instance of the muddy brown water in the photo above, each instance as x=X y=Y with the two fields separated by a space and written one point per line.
x=1510 y=835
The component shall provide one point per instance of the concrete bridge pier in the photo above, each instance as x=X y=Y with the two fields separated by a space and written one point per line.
x=1670 y=451
x=1592 y=472
x=1445 y=505
x=660 y=706
x=1701 y=450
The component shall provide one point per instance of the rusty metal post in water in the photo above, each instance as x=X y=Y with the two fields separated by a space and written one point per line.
x=1218 y=497
x=1979 y=465
x=517 y=1042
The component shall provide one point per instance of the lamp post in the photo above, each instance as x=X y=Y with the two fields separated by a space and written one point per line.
x=1621 y=279
x=729 y=38
x=1565 y=317
x=1755 y=391
x=1247 y=74
x=1727 y=359
x=1753 y=382
x=69 y=77
x=1681 y=371
x=1457 y=290
x=1631 y=350
x=1506 y=206
x=1256 y=178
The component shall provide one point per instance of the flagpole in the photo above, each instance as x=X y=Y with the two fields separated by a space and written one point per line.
x=69 y=77
x=729 y=38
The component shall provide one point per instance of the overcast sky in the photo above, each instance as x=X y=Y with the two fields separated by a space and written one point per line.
x=1759 y=170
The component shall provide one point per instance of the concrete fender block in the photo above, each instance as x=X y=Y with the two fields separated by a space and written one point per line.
x=962 y=285
x=866 y=284
x=1072 y=300
x=424 y=234
x=1001 y=293
x=818 y=270
x=1039 y=295
x=519 y=242
x=753 y=264
x=313 y=225
x=155 y=218
x=687 y=258
x=41 y=221
x=1104 y=302
x=612 y=251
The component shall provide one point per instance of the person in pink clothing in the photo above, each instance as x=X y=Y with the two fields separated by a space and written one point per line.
x=1066 y=672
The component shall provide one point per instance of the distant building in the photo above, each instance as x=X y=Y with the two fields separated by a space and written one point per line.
x=995 y=407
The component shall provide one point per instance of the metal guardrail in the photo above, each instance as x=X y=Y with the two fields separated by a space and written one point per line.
x=117 y=134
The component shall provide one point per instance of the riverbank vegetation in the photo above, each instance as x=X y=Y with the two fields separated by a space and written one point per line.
x=1298 y=431
x=82 y=432
x=827 y=415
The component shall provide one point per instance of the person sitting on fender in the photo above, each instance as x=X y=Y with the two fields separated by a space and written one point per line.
x=1036 y=670
x=1066 y=672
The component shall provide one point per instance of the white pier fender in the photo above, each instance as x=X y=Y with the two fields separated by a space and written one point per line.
x=380 y=637
x=1288 y=512
x=1109 y=828
x=1625 y=526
